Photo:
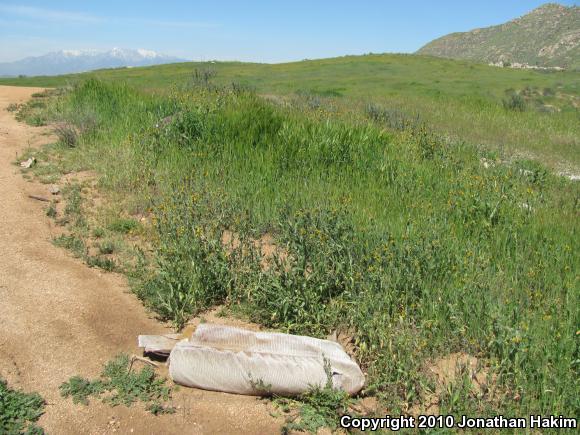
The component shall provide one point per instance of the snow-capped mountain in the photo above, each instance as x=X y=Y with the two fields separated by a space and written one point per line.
x=72 y=61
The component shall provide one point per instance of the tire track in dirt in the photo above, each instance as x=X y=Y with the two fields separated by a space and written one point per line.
x=59 y=318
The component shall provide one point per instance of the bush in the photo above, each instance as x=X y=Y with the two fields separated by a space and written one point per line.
x=67 y=134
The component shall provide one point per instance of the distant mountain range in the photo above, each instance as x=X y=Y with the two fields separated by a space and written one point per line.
x=73 y=61
x=548 y=36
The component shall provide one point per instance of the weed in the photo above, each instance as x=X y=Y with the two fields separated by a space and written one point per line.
x=67 y=134
x=106 y=247
x=74 y=201
x=203 y=77
x=107 y=264
x=392 y=118
x=341 y=221
x=36 y=120
x=119 y=384
x=51 y=210
x=515 y=102
x=13 y=107
x=19 y=411
x=123 y=226
x=156 y=408
x=319 y=407
x=72 y=243
x=81 y=389
x=36 y=104
x=98 y=233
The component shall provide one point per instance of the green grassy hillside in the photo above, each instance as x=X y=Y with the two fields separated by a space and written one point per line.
x=380 y=228
x=547 y=36
x=463 y=100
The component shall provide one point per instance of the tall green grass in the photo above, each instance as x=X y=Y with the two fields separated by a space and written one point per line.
x=395 y=235
x=460 y=99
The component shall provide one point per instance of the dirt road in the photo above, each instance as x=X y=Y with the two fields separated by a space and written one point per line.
x=59 y=318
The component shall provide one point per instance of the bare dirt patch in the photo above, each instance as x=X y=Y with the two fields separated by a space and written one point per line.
x=448 y=370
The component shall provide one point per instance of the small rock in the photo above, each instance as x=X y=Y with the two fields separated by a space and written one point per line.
x=28 y=163
x=486 y=163
x=54 y=189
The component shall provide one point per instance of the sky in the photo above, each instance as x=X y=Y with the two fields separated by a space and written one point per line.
x=260 y=31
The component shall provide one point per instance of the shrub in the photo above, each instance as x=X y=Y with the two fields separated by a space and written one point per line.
x=67 y=134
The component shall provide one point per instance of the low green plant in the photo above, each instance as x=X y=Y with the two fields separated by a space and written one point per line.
x=81 y=389
x=67 y=134
x=312 y=220
x=36 y=120
x=72 y=243
x=515 y=102
x=106 y=247
x=73 y=201
x=19 y=411
x=51 y=210
x=320 y=406
x=392 y=118
x=107 y=264
x=123 y=225
x=98 y=232
x=120 y=384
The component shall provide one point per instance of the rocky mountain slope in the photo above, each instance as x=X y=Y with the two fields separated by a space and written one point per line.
x=548 y=36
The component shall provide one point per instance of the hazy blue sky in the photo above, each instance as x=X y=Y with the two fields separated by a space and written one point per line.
x=265 y=31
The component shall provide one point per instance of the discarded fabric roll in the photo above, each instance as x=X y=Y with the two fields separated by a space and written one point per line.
x=234 y=360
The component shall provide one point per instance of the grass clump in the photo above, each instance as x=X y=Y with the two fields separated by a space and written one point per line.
x=368 y=224
x=515 y=102
x=19 y=411
x=12 y=107
x=98 y=233
x=67 y=134
x=123 y=226
x=106 y=247
x=119 y=384
x=71 y=242
x=51 y=211
x=107 y=264
x=74 y=201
